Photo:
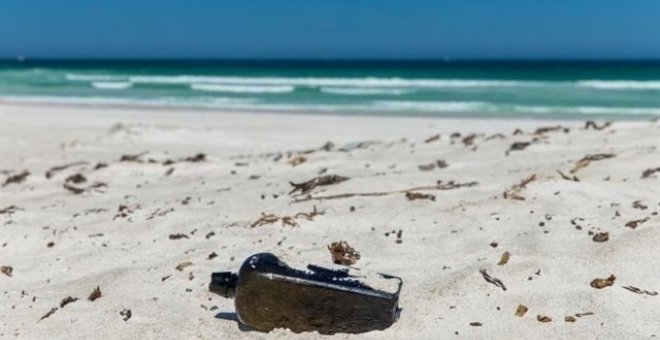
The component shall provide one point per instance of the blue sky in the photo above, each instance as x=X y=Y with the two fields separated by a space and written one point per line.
x=330 y=29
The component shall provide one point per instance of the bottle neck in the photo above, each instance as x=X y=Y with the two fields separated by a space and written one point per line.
x=224 y=284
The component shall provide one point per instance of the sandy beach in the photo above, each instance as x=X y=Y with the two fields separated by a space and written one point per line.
x=500 y=229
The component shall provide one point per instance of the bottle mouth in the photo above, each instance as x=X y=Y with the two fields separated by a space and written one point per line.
x=224 y=284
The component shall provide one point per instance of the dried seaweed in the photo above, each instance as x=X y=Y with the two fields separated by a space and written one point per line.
x=432 y=138
x=514 y=191
x=591 y=124
x=7 y=270
x=67 y=300
x=601 y=237
x=475 y=324
x=79 y=190
x=181 y=266
x=639 y=205
x=569 y=318
x=177 y=236
x=546 y=129
x=286 y=220
x=9 y=210
x=76 y=179
x=650 y=171
x=297 y=160
x=639 y=291
x=52 y=171
x=586 y=160
x=309 y=216
x=124 y=210
x=126 y=313
x=491 y=279
x=469 y=140
x=568 y=178
x=96 y=293
x=439 y=186
x=635 y=223
x=411 y=196
x=521 y=310
x=599 y=283
x=18 y=178
x=543 y=318
x=518 y=146
x=309 y=185
x=343 y=254
x=265 y=219
x=133 y=158
x=50 y=312
x=504 y=259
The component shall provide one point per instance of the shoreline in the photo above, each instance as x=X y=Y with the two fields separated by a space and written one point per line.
x=538 y=117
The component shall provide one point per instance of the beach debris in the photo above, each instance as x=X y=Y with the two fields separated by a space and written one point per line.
x=126 y=313
x=568 y=178
x=411 y=196
x=356 y=145
x=518 y=146
x=439 y=186
x=124 y=210
x=9 y=210
x=159 y=213
x=432 y=138
x=586 y=160
x=590 y=124
x=79 y=190
x=599 y=283
x=7 y=270
x=76 y=179
x=52 y=171
x=399 y=233
x=100 y=165
x=265 y=219
x=518 y=132
x=504 y=259
x=475 y=324
x=546 y=129
x=67 y=300
x=343 y=254
x=521 y=310
x=569 y=318
x=650 y=171
x=309 y=185
x=95 y=294
x=491 y=279
x=494 y=136
x=212 y=256
x=181 y=266
x=177 y=236
x=635 y=223
x=441 y=164
x=639 y=205
x=310 y=215
x=18 y=178
x=515 y=191
x=579 y=315
x=297 y=160
x=601 y=237
x=469 y=139
x=133 y=158
x=493 y=244
x=639 y=291
x=50 y=312
x=543 y=318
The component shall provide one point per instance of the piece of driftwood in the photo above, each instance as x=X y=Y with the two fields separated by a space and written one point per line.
x=440 y=186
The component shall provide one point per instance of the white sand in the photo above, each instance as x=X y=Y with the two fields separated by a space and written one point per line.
x=444 y=244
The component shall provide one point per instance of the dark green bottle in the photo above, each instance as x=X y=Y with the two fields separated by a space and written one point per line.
x=269 y=294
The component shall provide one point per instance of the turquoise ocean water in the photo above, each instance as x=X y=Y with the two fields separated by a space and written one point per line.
x=548 y=89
